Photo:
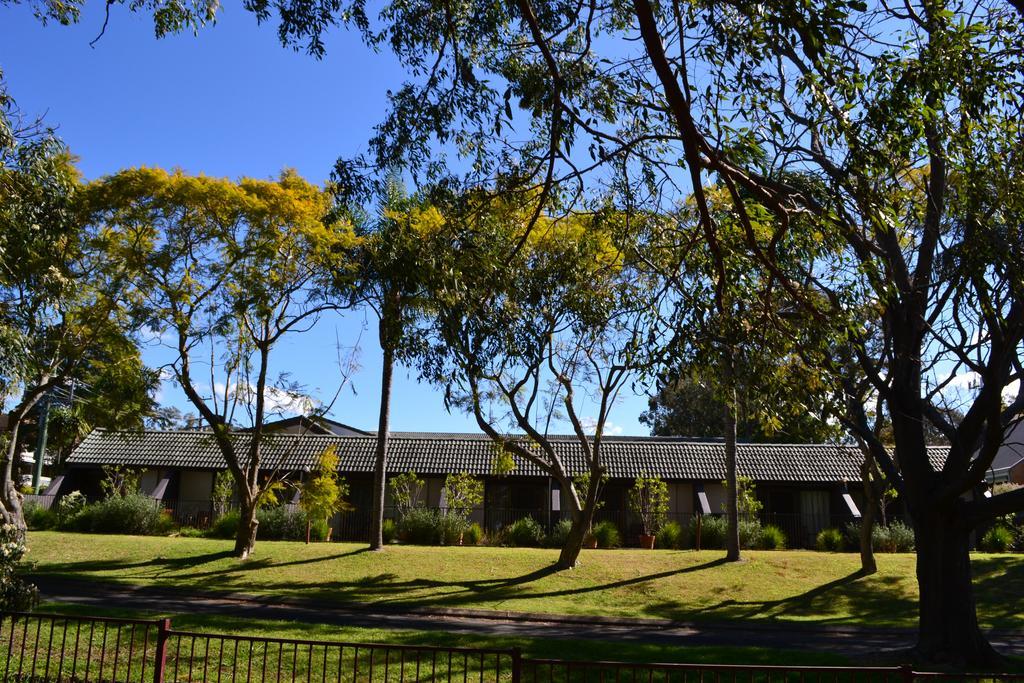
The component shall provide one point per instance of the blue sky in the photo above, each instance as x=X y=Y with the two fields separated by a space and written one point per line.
x=228 y=102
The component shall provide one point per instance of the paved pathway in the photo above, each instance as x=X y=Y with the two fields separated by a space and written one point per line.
x=868 y=646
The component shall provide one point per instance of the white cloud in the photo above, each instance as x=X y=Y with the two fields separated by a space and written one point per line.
x=970 y=382
x=610 y=428
x=277 y=401
x=288 y=402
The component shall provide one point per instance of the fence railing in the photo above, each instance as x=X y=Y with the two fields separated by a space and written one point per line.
x=44 y=501
x=51 y=647
x=38 y=648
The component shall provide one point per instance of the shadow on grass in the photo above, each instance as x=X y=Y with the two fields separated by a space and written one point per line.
x=854 y=599
x=381 y=589
x=998 y=587
x=186 y=562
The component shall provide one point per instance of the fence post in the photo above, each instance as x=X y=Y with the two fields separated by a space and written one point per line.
x=517 y=664
x=163 y=631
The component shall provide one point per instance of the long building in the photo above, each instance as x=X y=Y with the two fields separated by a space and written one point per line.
x=803 y=487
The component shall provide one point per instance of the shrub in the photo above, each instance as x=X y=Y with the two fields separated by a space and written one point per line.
x=225 y=526
x=39 y=518
x=998 y=539
x=829 y=541
x=851 y=536
x=280 y=523
x=190 y=532
x=15 y=594
x=772 y=538
x=132 y=513
x=389 y=531
x=70 y=506
x=670 y=537
x=712 y=531
x=119 y=481
x=462 y=494
x=473 y=534
x=318 y=530
x=649 y=500
x=895 y=538
x=749 y=532
x=406 y=492
x=324 y=492
x=420 y=526
x=525 y=532
x=451 y=528
x=559 y=533
x=607 y=535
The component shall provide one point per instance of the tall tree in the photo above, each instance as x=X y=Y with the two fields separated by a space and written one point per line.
x=528 y=338
x=392 y=257
x=863 y=99
x=62 y=308
x=909 y=119
x=226 y=270
x=732 y=326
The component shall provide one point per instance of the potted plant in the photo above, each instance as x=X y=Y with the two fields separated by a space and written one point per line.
x=649 y=500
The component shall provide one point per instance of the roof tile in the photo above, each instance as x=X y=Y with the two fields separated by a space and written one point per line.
x=439 y=454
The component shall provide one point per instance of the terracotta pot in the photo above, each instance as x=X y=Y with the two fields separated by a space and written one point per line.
x=590 y=543
x=646 y=542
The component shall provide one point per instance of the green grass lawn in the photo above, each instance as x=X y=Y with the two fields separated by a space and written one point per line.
x=792 y=586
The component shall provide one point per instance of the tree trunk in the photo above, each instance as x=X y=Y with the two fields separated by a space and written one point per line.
x=570 y=553
x=245 y=539
x=582 y=520
x=732 y=537
x=380 y=464
x=948 y=631
x=867 y=520
x=581 y=524
x=11 y=510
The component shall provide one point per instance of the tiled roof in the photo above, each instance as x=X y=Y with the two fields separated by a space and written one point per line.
x=430 y=454
x=187 y=449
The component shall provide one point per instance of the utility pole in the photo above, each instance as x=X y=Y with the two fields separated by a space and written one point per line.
x=44 y=418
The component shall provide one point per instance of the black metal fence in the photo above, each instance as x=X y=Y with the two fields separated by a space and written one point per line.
x=561 y=671
x=38 y=648
x=47 y=647
x=44 y=648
